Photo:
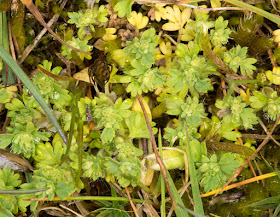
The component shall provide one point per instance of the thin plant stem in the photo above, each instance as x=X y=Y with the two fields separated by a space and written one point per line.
x=198 y=206
x=29 y=48
x=159 y=160
x=100 y=198
x=265 y=130
x=162 y=185
x=131 y=203
x=34 y=10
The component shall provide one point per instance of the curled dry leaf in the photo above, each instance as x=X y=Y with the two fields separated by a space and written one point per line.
x=13 y=161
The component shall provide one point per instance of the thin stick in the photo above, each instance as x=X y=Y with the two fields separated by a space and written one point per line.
x=265 y=130
x=70 y=210
x=57 y=77
x=250 y=163
x=148 y=206
x=12 y=50
x=178 y=2
x=29 y=48
x=159 y=160
x=131 y=203
x=34 y=10
x=257 y=136
x=238 y=171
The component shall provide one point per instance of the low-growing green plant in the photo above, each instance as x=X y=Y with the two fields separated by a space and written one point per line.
x=176 y=78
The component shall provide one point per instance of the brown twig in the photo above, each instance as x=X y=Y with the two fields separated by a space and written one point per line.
x=238 y=171
x=265 y=130
x=29 y=48
x=159 y=160
x=183 y=3
x=260 y=137
x=34 y=10
x=55 y=76
x=131 y=203
x=149 y=206
x=12 y=50
x=250 y=163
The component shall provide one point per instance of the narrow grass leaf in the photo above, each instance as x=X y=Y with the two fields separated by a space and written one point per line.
x=192 y=212
x=162 y=184
x=198 y=206
x=277 y=210
x=180 y=212
x=20 y=191
x=267 y=203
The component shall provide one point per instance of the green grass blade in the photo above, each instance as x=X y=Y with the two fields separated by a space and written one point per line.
x=98 y=198
x=192 y=212
x=267 y=203
x=80 y=145
x=9 y=77
x=162 y=184
x=198 y=205
x=6 y=57
x=277 y=210
x=256 y=10
x=180 y=212
x=20 y=191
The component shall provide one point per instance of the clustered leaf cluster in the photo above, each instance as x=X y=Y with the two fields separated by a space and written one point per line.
x=175 y=79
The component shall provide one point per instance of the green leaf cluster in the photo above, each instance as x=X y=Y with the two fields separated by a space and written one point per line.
x=236 y=58
x=190 y=71
x=20 y=113
x=142 y=51
x=123 y=7
x=77 y=43
x=189 y=110
x=89 y=18
x=266 y=100
x=9 y=205
x=4 y=95
x=110 y=116
x=238 y=114
x=23 y=138
x=178 y=132
x=127 y=171
x=140 y=74
x=220 y=35
x=214 y=171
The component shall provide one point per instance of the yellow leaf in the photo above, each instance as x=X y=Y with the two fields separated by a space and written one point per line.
x=186 y=14
x=109 y=36
x=82 y=75
x=165 y=48
x=171 y=26
x=118 y=56
x=157 y=16
x=215 y=3
x=137 y=107
x=274 y=75
x=169 y=14
x=11 y=90
x=245 y=96
x=143 y=23
x=132 y=19
x=137 y=19
x=177 y=13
